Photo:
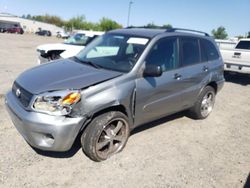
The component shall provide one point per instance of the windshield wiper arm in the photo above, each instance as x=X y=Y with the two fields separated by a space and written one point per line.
x=89 y=63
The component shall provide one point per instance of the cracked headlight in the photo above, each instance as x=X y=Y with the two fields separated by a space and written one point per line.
x=57 y=103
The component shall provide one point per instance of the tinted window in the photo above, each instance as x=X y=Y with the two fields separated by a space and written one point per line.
x=164 y=54
x=209 y=50
x=190 y=51
x=243 y=45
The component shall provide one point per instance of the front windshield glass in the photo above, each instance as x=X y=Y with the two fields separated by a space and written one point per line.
x=79 y=39
x=114 y=52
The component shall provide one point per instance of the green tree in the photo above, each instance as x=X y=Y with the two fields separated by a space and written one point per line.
x=76 y=22
x=220 y=33
x=167 y=26
x=151 y=26
x=107 y=24
x=28 y=16
x=248 y=35
x=154 y=26
x=56 y=20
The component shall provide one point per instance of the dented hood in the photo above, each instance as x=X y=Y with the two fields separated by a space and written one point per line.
x=61 y=75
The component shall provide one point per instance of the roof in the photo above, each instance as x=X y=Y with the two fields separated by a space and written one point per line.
x=245 y=39
x=140 y=32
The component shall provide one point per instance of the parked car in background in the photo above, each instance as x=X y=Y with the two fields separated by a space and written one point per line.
x=17 y=30
x=3 y=29
x=123 y=79
x=69 y=48
x=62 y=34
x=238 y=58
x=43 y=33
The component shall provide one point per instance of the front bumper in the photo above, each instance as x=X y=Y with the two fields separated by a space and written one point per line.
x=41 y=60
x=42 y=131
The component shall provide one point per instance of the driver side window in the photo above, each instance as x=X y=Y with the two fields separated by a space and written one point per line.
x=164 y=53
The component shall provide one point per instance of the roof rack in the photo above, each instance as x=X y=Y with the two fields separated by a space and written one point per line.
x=189 y=30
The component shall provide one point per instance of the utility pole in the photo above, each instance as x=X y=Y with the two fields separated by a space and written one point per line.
x=129 y=10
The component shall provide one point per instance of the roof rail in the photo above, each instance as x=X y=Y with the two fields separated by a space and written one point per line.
x=189 y=30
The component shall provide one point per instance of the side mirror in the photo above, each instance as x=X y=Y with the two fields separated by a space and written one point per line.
x=152 y=71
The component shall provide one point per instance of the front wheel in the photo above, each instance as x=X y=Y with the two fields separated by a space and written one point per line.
x=105 y=136
x=205 y=104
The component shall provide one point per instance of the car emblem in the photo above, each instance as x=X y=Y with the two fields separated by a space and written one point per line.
x=18 y=93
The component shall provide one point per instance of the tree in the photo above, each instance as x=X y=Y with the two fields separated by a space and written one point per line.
x=220 y=33
x=108 y=24
x=248 y=35
x=167 y=26
x=56 y=20
x=28 y=16
x=153 y=26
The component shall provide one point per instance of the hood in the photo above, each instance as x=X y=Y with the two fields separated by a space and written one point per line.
x=61 y=75
x=59 y=46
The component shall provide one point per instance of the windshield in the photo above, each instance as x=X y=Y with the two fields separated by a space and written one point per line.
x=114 y=52
x=79 y=39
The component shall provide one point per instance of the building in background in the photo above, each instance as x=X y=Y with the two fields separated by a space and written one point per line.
x=29 y=26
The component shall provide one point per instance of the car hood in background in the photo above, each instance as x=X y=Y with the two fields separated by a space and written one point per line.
x=61 y=75
x=69 y=50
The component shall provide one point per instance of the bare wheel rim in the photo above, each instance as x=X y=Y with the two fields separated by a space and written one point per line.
x=112 y=138
x=207 y=104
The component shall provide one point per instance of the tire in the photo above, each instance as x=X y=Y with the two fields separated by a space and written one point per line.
x=204 y=104
x=106 y=135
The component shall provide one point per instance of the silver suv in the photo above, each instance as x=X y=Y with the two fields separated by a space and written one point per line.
x=121 y=80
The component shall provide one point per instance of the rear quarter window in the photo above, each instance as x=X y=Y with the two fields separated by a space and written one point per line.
x=208 y=50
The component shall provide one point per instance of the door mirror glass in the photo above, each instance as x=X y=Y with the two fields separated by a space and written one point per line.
x=152 y=71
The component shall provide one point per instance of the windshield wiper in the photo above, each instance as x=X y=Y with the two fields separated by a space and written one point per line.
x=89 y=63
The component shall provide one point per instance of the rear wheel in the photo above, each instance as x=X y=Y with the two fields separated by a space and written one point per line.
x=205 y=104
x=105 y=136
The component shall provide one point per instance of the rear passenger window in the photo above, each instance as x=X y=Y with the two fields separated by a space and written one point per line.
x=209 y=49
x=190 y=51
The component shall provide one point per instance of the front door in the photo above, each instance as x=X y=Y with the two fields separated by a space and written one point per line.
x=159 y=96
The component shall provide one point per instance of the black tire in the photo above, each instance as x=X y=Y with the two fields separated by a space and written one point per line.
x=106 y=135
x=204 y=105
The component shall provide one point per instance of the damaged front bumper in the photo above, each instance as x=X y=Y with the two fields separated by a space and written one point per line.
x=42 y=131
x=41 y=59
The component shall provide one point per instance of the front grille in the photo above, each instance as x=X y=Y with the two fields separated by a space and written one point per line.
x=22 y=95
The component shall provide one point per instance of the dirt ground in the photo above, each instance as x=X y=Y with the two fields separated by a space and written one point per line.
x=174 y=152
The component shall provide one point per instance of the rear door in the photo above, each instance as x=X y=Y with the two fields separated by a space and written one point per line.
x=194 y=69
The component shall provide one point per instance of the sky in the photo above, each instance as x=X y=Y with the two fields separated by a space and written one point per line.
x=203 y=15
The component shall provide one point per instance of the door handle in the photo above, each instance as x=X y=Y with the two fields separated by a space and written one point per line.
x=177 y=76
x=205 y=68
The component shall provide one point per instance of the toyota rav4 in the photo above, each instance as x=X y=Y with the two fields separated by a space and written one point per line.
x=123 y=79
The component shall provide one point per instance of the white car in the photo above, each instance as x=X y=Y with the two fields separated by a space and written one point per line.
x=62 y=34
x=238 y=58
x=71 y=46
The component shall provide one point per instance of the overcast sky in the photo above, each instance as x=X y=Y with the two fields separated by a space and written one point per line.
x=194 y=14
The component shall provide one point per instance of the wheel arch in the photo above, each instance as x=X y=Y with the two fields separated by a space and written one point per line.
x=119 y=107
x=213 y=85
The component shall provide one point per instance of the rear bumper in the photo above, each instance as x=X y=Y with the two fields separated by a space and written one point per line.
x=42 y=131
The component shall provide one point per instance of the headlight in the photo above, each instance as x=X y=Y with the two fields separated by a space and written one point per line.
x=56 y=103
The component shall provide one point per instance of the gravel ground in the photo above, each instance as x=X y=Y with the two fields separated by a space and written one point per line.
x=173 y=152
